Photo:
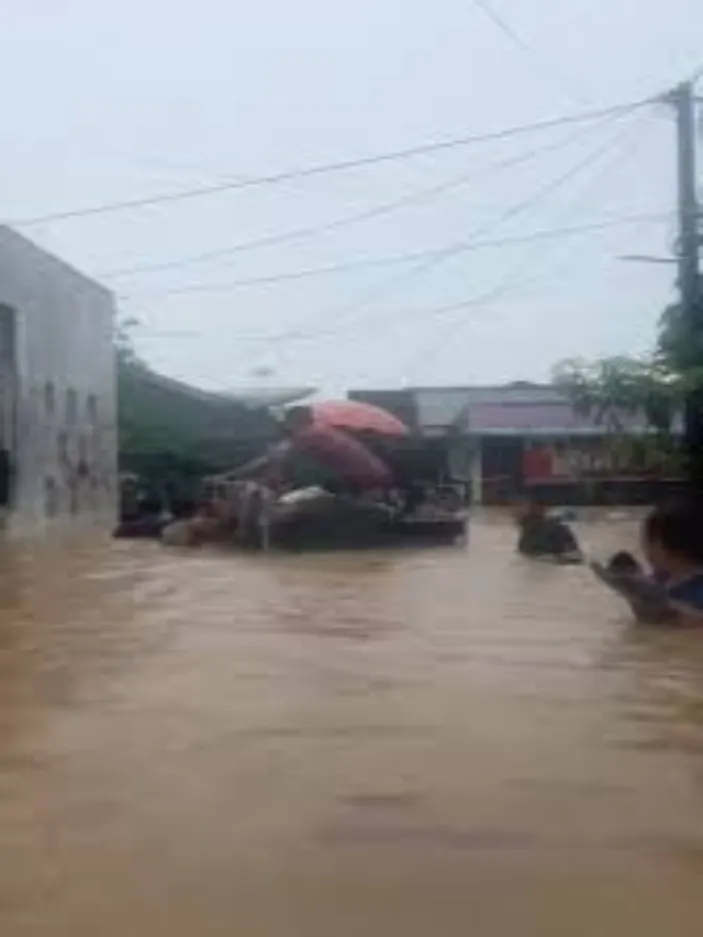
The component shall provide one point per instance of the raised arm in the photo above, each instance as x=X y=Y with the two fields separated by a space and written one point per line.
x=647 y=599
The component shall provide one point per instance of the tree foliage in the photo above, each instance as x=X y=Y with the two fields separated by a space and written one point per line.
x=679 y=347
x=656 y=388
x=171 y=434
x=158 y=414
x=615 y=392
x=610 y=390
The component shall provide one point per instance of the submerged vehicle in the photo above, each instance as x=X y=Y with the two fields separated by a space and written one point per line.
x=329 y=482
x=347 y=523
x=317 y=518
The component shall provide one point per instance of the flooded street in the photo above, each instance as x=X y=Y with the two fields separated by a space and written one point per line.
x=418 y=743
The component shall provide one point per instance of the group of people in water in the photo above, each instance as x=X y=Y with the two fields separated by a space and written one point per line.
x=310 y=457
x=666 y=590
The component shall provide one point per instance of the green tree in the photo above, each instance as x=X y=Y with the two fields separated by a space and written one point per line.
x=613 y=391
x=171 y=434
x=679 y=348
x=616 y=393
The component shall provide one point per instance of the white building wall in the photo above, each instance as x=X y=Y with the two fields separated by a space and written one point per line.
x=66 y=410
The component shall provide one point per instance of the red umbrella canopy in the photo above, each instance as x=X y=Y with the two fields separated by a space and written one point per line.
x=355 y=415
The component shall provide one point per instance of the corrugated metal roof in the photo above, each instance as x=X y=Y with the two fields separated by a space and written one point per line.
x=441 y=407
x=517 y=392
x=555 y=416
x=451 y=406
x=511 y=409
x=444 y=407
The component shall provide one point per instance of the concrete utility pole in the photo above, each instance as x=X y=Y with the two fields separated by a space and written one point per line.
x=684 y=102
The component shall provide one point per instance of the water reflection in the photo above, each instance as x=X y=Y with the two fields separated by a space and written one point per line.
x=395 y=743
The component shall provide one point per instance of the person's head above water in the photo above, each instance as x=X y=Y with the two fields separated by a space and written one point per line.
x=672 y=538
x=623 y=564
x=527 y=508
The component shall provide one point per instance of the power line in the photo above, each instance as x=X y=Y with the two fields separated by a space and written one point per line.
x=497 y=292
x=309 y=231
x=459 y=247
x=433 y=312
x=502 y=24
x=402 y=258
x=506 y=281
x=425 y=312
x=502 y=290
x=499 y=21
x=696 y=75
x=327 y=168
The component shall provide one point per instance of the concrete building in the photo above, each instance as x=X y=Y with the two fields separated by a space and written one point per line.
x=504 y=439
x=58 y=419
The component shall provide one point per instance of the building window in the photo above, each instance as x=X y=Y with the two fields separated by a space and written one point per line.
x=49 y=399
x=71 y=406
x=92 y=408
x=51 y=497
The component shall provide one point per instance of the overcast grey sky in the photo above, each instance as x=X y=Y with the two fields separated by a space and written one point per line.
x=114 y=101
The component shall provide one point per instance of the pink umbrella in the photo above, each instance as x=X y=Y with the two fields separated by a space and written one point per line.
x=342 y=454
x=354 y=415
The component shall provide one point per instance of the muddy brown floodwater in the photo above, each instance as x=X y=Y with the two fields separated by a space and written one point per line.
x=421 y=743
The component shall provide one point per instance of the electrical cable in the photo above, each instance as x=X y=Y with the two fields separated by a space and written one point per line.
x=320 y=169
x=385 y=208
x=401 y=258
x=499 y=21
x=450 y=252
x=508 y=279
x=460 y=247
x=431 y=313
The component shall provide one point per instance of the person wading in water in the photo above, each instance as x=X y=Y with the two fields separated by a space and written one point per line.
x=543 y=537
x=671 y=593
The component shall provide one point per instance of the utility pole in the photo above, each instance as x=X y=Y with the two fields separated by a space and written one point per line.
x=684 y=102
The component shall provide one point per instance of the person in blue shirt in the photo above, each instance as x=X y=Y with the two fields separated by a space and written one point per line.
x=672 y=544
